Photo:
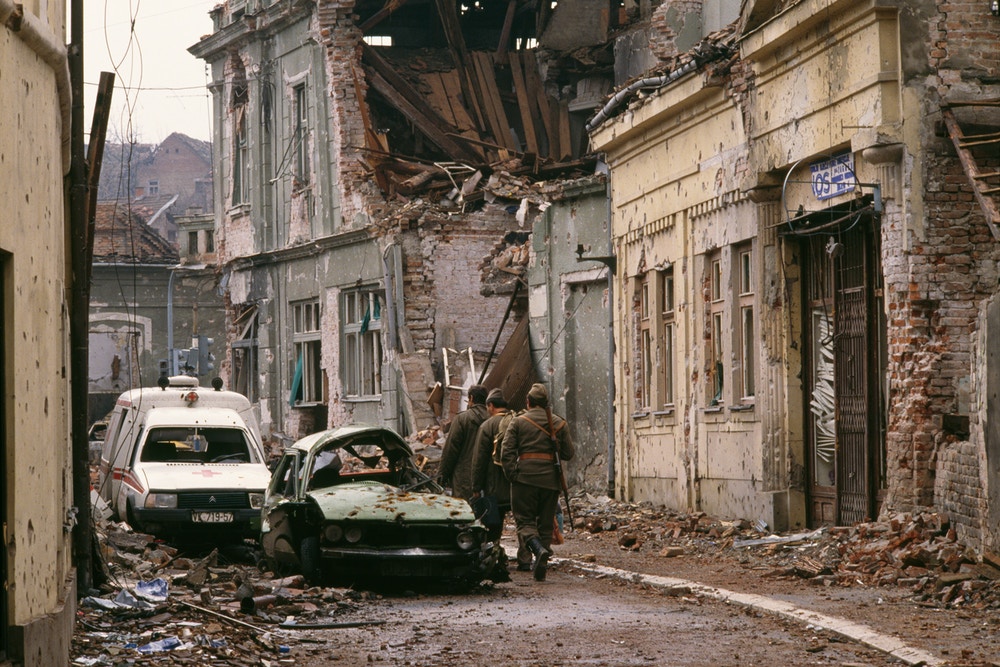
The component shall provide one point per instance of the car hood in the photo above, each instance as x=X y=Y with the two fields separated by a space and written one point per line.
x=195 y=476
x=374 y=501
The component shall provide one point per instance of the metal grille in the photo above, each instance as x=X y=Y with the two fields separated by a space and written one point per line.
x=430 y=536
x=851 y=386
x=213 y=501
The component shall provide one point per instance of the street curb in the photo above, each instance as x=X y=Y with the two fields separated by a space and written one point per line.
x=857 y=632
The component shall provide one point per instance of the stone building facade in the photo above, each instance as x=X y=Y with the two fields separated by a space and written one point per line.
x=807 y=258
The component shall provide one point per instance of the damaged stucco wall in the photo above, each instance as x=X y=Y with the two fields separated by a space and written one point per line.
x=818 y=79
x=37 y=582
x=569 y=322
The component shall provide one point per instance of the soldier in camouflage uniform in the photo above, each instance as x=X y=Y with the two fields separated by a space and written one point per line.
x=530 y=447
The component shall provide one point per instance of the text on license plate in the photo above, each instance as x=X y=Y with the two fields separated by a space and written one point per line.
x=212 y=517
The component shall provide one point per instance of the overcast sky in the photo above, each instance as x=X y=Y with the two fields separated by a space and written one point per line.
x=159 y=86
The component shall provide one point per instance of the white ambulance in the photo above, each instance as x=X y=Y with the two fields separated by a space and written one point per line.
x=185 y=462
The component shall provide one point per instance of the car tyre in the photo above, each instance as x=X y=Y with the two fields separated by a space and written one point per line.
x=309 y=558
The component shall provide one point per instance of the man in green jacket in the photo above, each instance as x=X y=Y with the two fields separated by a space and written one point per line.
x=535 y=443
x=456 y=458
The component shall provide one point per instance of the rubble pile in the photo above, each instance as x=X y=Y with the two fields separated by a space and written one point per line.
x=162 y=607
x=918 y=551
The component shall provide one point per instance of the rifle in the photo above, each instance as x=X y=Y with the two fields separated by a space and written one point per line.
x=559 y=468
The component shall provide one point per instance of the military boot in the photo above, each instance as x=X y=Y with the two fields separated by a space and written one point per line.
x=542 y=554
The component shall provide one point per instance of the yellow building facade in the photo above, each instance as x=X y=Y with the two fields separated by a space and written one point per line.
x=786 y=351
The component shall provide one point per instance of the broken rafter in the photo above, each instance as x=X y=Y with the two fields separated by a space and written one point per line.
x=382 y=14
x=508 y=23
x=471 y=89
x=523 y=103
x=400 y=94
x=968 y=160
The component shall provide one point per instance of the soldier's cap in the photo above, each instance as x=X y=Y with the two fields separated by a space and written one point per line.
x=495 y=396
x=538 y=393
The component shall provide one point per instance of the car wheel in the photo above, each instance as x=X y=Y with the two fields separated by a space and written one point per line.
x=309 y=558
x=130 y=516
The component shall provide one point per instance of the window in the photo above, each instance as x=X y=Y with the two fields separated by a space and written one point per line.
x=666 y=289
x=209 y=240
x=154 y=187
x=307 y=382
x=644 y=366
x=716 y=369
x=244 y=350
x=747 y=358
x=378 y=40
x=362 y=351
x=300 y=133
x=241 y=160
x=192 y=243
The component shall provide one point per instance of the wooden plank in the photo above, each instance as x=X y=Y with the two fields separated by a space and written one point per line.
x=379 y=16
x=430 y=121
x=523 y=103
x=972 y=172
x=431 y=127
x=504 y=41
x=492 y=102
x=537 y=90
x=565 y=138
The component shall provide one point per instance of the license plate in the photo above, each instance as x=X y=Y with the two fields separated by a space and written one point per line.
x=212 y=517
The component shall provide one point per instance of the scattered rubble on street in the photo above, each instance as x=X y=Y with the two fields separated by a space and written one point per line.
x=918 y=551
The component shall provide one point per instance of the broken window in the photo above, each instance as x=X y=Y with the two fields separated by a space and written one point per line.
x=192 y=243
x=644 y=374
x=244 y=351
x=747 y=358
x=241 y=159
x=716 y=369
x=666 y=300
x=362 y=350
x=209 y=240
x=307 y=382
x=300 y=132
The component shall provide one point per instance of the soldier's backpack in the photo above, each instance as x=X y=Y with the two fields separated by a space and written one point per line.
x=498 y=438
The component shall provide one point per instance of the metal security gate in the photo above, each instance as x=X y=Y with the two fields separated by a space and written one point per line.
x=3 y=470
x=845 y=344
x=854 y=487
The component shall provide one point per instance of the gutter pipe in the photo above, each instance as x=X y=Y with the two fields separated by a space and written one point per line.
x=650 y=82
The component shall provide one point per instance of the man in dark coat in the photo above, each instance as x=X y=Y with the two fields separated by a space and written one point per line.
x=488 y=478
x=456 y=459
x=531 y=445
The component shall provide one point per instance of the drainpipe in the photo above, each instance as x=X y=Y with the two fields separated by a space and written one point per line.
x=79 y=318
x=612 y=471
x=625 y=93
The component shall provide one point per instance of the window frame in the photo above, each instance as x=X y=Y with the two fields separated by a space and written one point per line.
x=746 y=324
x=361 y=343
x=667 y=300
x=300 y=130
x=241 y=159
x=716 y=366
x=306 y=334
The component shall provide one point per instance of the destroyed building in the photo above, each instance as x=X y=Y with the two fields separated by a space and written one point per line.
x=804 y=216
x=381 y=170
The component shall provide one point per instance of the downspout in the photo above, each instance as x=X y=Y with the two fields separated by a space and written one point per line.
x=38 y=36
x=79 y=313
x=612 y=471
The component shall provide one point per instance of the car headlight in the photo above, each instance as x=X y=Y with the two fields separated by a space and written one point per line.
x=161 y=501
x=466 y=540
x=353 y=534
x=256 y=500
x=334 y=533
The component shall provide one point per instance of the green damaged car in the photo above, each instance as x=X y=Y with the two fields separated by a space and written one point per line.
x=349 y=505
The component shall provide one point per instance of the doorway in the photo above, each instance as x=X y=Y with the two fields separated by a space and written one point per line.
x=845 y=348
